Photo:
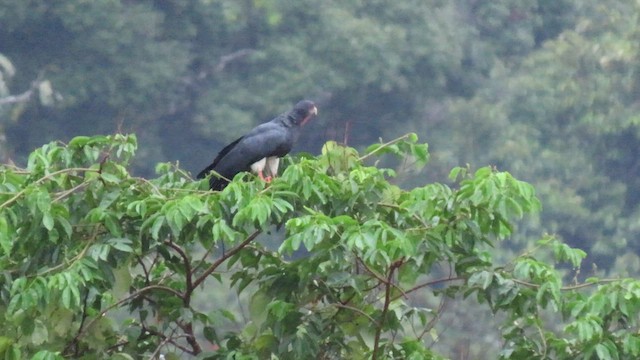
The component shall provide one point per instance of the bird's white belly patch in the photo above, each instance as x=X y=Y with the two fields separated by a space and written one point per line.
x=272 y=165
x=259 y=165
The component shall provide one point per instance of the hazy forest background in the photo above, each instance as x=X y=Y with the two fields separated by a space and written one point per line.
x=548 y=90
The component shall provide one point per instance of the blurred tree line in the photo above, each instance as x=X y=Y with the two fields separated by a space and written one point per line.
x=545 y=89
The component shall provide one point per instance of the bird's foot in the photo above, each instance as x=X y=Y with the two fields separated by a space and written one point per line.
x=264 y=178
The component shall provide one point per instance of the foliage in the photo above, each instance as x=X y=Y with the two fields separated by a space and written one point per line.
x=185 y=75
x=97 y=261
x=544 y=89
x=565 y=118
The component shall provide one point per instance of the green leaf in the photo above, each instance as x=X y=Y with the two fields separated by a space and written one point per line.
x=40 y=334
x=122 y=281
x=110 y=178
x=157 y=225
x=79 y=141
x=47 y=221
x=258 y=307
x=5 y=344
x=453 y=174
x=5 y=240
x=481 y=279
x=603 y=352
x=121 y=244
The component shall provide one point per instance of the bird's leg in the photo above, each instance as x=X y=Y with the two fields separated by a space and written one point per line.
x=264 y=178
x=272 y=167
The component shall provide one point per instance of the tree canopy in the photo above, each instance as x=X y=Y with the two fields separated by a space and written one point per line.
x=340 y=262
x=544 y=90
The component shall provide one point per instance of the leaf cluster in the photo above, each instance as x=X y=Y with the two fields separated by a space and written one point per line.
x=97 y=261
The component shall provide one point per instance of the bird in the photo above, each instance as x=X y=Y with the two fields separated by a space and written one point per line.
x=260 y=150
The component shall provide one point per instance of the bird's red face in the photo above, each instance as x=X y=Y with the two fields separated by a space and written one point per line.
x=312 y=111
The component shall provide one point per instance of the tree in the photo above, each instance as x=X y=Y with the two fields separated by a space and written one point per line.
x=565 y=119
x=196 y=72
x=97 y=261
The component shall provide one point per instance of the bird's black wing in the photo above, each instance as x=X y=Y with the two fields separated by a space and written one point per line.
x=220 y=155
x=268 y=139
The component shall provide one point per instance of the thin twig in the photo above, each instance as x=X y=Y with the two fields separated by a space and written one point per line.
x=380 y=278
x=355 y=309
x=140 y=292
x=226 y=59
x=82 y=320
x=568 y=288
x=42 y=179
x=63 y=194
x=224 y=257
x=166 y=339
x=187 y=269
x=430 y=325
x=429 y=283
x=382 y=146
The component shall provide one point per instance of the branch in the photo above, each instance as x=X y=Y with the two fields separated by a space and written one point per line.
x=224 y=257
x=42 y=179
x=568 y=288
x=187 y=269
x=226 y=59
x=432 y=323
x=380 y=278
x=385 y=309
x=429 y=283
x=165 y=339
x=366 y=156
x=354 y=309
x=61 y=195
x=81 y=332
x=12 y=99
x=191 y=338
x=25 y=96
x=82 y=320
x=71 y=261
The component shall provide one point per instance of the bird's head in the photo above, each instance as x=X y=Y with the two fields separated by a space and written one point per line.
x=303 y=112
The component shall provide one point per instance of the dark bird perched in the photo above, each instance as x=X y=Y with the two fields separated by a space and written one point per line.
x=260 y=150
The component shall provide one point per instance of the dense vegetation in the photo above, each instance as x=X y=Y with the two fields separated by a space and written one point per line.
x=97 y=261
x=544 y=89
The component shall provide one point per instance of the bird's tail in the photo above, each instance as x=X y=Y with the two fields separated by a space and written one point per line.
x=203 y=174
x=217 y=183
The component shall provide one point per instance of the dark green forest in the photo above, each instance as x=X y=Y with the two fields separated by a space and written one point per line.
x=544 y=91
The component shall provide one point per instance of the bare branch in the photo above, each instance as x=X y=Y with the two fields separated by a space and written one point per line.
x=13 y=99
x=226 y=59
x=25 y=96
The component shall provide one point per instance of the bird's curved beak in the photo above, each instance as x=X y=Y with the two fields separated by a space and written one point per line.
x=313 y=111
